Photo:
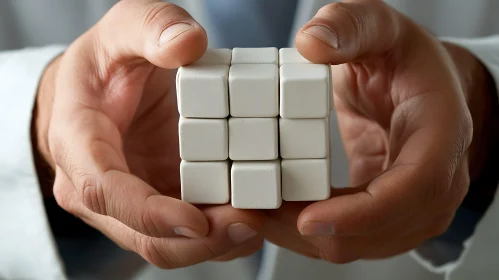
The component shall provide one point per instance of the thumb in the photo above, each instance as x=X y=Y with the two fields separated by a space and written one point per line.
x=342 y=32
x=163 y=33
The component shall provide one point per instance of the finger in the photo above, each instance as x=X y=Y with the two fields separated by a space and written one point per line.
x=344 y=31
x=89 y=153
x=427 y=140
x=394 y=239
x=393 y=198
x=246 y=249
x=280 y=229
x=163 y=33
x=231 y=229
x=418 y=179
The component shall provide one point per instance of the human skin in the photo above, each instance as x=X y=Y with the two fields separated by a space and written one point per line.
x=107 y=124
x=408 y=106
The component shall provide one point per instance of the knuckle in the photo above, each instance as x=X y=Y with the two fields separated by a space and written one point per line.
x=154 y=10
x=345 y=9
x=154 y=253
x=209 y=251
x=92 y=193
x=157 y=16
x=147 y=223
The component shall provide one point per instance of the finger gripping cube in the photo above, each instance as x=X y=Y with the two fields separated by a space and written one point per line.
x=254 y=128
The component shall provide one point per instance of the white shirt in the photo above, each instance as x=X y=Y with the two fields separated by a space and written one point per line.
x=27 y=247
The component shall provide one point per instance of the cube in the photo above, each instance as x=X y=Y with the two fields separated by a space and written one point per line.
x=255 y=56
x=254 y=90
x=303 y=138
x=203 y=91
x=205 y=182
x=253 y=139
x=256 y=185
x=304 y=91
x=291 y=56
x=215 y=57
x=305 y=179
x=203 y=139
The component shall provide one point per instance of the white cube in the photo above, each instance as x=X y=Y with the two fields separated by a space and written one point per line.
x=253 y=139
x=215 y=57
x=203 y=91
x=303 y=138
x=255 y=56
x=305 y=179
x=205 y=182
x=203 y=139
x=254 y=90
x=304 y=91
x=256 y=185
x=291 y=56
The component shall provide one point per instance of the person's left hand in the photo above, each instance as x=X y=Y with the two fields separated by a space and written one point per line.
x=406 y=113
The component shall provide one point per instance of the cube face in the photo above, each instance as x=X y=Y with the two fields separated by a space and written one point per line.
x=203 y=139
x=305 y=179
x=256 y=185
x=291 y=56
x=255 y=56
x=254 y=90
x=304 y=91
x=304 y=138
x=205 y=182
x=215 y=57
x=203 y=91
x=254 y=121
x=253 y=139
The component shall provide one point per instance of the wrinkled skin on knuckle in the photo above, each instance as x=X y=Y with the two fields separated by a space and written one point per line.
x=92 y=194
x=156 y=10
x=146 y=223
x=155 y=253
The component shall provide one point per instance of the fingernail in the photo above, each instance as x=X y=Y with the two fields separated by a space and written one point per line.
x=173 y=31
x=187 y=232
x=324 y=34
x=240 y=232
x=317 y=229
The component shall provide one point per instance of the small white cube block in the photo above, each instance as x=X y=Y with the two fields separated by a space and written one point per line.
x=304 y=138
x=203 y=139
x=253 y=139
x=305 y=179
x=205 y=182
x=203 y=91
x=254 y=90
x=215 y=57
x=256 y=185
x=255 y=56
x=291 y=56
x=304 y=91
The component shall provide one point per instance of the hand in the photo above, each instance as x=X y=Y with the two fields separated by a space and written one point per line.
x=111 y=135
x=403 y=101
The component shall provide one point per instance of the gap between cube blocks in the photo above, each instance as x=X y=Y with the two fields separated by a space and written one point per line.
x=254 y=128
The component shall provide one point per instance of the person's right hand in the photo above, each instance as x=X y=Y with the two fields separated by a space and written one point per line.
x=107 y=124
